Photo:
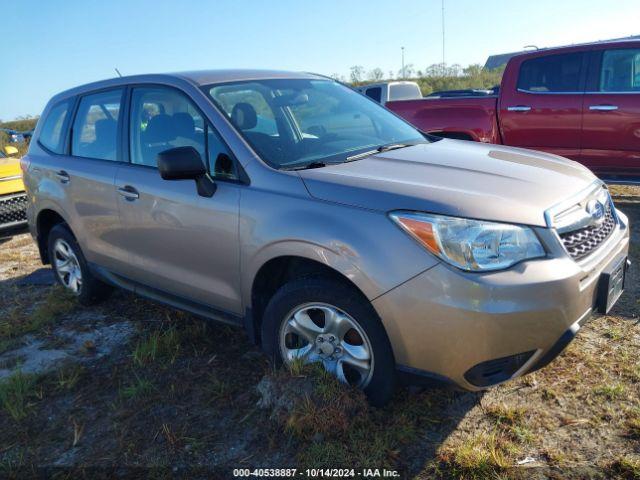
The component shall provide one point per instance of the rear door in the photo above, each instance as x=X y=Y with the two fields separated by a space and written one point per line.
x=180 y=243
x=86 y=175
x=611 y=123
x=541 y=103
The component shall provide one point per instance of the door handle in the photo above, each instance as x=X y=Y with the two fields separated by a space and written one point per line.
x=519 y=108
x=129 y=193
x=603 y=108
x=63 y=176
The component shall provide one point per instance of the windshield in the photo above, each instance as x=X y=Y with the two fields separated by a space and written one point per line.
x=296 y=122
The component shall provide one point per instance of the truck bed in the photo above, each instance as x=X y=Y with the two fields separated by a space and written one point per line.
x=474 y=118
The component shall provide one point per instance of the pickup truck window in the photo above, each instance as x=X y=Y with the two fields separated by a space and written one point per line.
x=552 y=73
x=404 y=91
x=620 y=70
x=316 y=121
x=374 y=93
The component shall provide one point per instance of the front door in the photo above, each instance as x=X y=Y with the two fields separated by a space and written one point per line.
x=541 y=109
x=180 y=243
x=611 y=115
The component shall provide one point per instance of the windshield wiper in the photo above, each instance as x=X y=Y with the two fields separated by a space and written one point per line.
x=308 y=165
x=383 y=148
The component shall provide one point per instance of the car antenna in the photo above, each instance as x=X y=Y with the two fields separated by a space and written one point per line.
x=118 y=72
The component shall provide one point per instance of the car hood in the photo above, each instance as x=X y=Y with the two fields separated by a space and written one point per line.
x=453 y=177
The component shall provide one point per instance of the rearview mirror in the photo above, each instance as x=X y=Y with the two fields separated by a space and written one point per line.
x=185 y=163
x=10 y=151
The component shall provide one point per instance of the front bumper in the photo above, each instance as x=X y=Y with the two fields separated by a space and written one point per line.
x=444 y=322
x=13 y=211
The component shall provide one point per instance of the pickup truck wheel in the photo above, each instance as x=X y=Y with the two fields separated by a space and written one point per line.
x=71 y=269
x=319 y=320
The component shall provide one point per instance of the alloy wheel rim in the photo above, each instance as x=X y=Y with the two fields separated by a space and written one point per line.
x=67 y=266
x=319 y=332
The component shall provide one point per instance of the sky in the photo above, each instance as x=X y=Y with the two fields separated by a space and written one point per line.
x=52 y=45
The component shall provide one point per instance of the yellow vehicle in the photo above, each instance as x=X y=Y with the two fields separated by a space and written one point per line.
x=13 y=200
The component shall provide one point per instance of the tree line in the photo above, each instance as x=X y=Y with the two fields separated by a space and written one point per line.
x=434 y=78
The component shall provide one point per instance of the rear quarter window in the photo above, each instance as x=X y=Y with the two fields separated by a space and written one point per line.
x=52 y=134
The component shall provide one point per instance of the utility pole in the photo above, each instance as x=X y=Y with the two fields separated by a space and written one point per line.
x=402 y=48
x=443 y=61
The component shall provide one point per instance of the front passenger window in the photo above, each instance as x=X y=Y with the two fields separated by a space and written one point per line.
x=163 y=118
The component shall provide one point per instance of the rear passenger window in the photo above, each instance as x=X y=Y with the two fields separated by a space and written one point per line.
x=95 y=128
x=620 y=70
x=52 y=134
x=553 y=73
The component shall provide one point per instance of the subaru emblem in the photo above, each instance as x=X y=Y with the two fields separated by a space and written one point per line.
x=595 y=209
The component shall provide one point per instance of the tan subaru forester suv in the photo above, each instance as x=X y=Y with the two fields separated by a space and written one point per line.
x=330 y=229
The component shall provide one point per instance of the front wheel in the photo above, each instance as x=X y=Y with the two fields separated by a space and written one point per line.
x=71 y=269
x=319 y=320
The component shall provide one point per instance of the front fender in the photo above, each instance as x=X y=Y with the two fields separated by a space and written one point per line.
x=310 y=251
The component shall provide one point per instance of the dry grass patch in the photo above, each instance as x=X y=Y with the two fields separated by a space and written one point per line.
x=626 y=467
x=482 y=455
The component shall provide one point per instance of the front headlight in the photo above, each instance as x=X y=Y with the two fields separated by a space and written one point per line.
x=472 y=245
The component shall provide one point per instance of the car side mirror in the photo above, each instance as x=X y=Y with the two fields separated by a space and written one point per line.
x=185 y=163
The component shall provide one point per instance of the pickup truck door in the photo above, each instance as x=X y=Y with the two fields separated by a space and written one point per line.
x=540 y=104
x=611 y=114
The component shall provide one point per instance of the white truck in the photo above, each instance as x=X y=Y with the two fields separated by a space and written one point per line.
x=391 y=91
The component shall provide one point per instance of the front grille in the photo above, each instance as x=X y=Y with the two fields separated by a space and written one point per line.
x=13 y=210
x=580 y=243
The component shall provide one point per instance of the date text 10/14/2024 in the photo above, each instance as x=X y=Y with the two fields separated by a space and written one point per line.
x=316 y=472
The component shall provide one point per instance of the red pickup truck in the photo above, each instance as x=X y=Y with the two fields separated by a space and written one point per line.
x=581 y=102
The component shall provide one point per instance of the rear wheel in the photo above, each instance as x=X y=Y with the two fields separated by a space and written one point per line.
x=318 y=320
x=71 y=269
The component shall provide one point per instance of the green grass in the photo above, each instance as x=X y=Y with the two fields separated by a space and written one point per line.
x=56 y=304
x=217 y=388
x=504 y=414
x=633 y=423
x=137 y=388
x=610 y=392
x=334 y=425
x=483 y=455
x=627 y=466
x=67 y=378
x=614 y=333
x=159 y=345
x=15 y=393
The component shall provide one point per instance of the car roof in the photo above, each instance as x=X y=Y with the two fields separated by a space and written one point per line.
x=196 y=77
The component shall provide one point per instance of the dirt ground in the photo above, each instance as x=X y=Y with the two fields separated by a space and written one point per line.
x=131 y=388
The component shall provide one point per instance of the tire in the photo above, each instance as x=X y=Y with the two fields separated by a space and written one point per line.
x=324 y=299
x=89 y=290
